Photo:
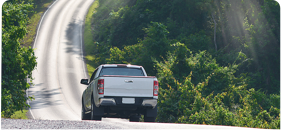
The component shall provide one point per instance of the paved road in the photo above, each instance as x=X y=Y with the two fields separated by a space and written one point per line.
x=56 y=88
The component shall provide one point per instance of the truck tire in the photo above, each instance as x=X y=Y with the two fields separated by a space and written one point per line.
x=135 y=118
x=150 y=115
x=93 y=116
x=84 y=116
x=149 y=119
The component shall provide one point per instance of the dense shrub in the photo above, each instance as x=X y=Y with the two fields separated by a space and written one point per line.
x=17 y=62
x=182 y=101
x=217 y=61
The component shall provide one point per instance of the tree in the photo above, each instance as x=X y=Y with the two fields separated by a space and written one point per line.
x=17 y=62
x=217 y=61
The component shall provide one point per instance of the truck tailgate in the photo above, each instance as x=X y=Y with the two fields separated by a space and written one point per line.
x=128 y=86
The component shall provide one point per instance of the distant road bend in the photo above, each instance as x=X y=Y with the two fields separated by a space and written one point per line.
x=58 y=48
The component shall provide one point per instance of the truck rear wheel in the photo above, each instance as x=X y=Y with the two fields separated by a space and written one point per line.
x=150 y=115
x=149 y=119
x=93 y=117
x=134 y=118
x=84 y=116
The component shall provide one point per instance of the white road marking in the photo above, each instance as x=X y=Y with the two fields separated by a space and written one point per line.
x=34 y=48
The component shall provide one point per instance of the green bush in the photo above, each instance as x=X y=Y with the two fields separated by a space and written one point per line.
x=182 y=101
x=236 y=84
x=17 y=62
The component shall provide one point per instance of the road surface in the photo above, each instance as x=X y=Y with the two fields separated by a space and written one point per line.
x=58 y=48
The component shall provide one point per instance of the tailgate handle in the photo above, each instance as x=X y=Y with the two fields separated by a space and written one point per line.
x=128 y=81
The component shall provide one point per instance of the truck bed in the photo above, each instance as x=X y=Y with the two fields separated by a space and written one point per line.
x=128 y=86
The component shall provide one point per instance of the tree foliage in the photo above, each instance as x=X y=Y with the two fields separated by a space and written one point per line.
x=217 y=61
x=251 y=27
x=17 y=62
x=211 y=94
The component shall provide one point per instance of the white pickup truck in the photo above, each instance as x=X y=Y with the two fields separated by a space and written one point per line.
x=120 y=91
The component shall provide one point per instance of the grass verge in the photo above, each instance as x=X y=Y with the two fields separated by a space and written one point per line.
x=88 y=40
x=20 y=115
x=39 y=8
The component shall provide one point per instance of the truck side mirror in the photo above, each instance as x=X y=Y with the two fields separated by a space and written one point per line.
x=84 y=81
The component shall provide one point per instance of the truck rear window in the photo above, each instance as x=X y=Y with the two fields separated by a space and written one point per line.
x=126 y=71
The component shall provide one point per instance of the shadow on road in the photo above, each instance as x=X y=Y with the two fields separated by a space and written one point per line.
x=43 y=97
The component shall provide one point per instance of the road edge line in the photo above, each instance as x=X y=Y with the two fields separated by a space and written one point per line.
x=30 y=110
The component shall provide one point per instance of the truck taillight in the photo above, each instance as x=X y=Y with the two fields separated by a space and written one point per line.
x=101 y=86
x=155 y=88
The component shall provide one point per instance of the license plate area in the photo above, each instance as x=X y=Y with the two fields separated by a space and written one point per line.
x=128 y=100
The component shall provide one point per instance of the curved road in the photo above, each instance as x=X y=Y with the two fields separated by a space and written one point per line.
x=57 y=89
x=58 y=46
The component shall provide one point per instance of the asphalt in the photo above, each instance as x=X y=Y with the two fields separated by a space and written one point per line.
x=59 y=51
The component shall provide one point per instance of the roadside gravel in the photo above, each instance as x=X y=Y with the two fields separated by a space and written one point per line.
x=106 y=123
x=53 y=124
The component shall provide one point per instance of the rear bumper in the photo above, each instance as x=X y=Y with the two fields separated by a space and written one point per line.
x=107 y=102
x=149 y=102
x=117 y=101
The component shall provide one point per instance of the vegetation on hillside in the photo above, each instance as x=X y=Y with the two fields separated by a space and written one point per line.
x=17 y=62
x=217 y=61
x=34 y=17
x=32 y=12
